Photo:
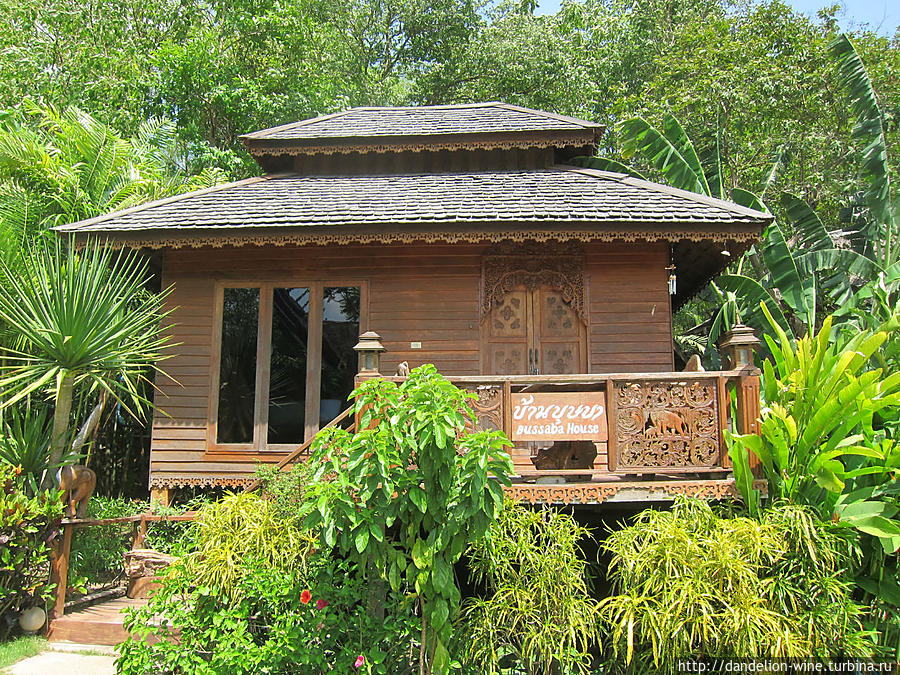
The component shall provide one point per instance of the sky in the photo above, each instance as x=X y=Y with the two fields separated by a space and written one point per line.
x=881 y=15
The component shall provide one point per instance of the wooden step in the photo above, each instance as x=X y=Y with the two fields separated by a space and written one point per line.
x=100 y=624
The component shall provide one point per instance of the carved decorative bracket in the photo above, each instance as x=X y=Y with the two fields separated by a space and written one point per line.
x=556 y=265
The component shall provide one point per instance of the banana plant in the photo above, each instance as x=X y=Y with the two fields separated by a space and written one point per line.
x=671 y=151
x=874 y=166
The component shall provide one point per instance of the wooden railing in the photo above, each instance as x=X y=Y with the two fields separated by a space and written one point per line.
x=61 y=547
x=655 y=423
x=651 y=424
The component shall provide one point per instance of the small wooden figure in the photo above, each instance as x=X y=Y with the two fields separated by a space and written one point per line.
x=78 y=482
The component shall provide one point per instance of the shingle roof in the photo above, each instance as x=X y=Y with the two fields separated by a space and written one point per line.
x=476 y=118
x=557 y=195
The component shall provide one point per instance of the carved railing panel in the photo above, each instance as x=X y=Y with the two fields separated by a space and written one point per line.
x=488 y=407
x=666 y=425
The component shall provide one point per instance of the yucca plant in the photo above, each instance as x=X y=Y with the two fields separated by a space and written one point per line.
x=83 y=321
x=540 y=617
x=25 y=435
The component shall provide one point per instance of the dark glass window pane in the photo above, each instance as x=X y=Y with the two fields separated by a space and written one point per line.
x=287 y=386
x=237 y=369
x=340 y=331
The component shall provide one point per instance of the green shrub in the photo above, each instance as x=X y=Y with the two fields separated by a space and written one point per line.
x=26 y=525
x=692 y=583
x=283 y=621
x=242 y=527
x=96 y=554
x=407 y=494
x=253 y=598
x=539 y=617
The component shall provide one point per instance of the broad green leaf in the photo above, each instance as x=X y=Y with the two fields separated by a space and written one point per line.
x=606 y=164
x=639 y=136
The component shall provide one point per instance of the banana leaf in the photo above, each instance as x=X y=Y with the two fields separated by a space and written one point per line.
x=798 y=290
x=605 y=164
x=639 y=136
x=869 y=130
x=751 y=293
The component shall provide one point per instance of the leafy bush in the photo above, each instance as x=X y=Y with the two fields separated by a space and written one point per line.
x=242 y=527
x=95 y=558
x=407 y=494
x=265 y=605
x=690 y=582
x=26 y=526
x=540 y=617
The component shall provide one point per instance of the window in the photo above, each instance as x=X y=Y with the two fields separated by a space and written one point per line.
x=286 y=362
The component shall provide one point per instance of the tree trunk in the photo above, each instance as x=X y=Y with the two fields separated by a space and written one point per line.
x=61 y=412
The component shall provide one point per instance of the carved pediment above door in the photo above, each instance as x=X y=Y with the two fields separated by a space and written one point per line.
x=553 y=265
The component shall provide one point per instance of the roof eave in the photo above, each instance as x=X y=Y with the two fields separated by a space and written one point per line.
x=552 y=138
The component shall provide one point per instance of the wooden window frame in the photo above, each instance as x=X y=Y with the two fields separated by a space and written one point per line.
x=259 y=444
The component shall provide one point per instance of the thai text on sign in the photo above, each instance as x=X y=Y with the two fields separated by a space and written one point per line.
x=567 y=416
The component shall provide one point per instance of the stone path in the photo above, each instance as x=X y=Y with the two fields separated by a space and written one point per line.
x=67 y=662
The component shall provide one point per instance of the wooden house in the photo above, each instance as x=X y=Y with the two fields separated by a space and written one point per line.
x=461 y=236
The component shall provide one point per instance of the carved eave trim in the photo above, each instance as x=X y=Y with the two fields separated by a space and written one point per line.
x=161 y=482
x=557 y=265
x=625 y=491
x=569 y=493
x=268 y=147
x=336 y=235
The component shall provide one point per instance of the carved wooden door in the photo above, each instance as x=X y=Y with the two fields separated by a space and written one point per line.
x=533 y=332
x=558 y=335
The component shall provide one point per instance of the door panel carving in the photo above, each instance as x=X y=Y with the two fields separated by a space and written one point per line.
x=510 y=316
x=507 y=359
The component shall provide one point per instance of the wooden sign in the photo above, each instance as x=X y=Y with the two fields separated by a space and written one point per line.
x=571 y=416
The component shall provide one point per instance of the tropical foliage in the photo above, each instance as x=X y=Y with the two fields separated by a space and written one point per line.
x=27 y=524
x=407 y=493
x=539 y=616
x=83 y=323
x=689 y=582
x=57 y=167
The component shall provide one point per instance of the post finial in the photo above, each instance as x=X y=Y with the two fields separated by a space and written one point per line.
x=737 y=347
x=369 y=349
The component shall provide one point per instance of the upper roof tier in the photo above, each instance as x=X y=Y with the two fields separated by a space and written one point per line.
x=439 y=127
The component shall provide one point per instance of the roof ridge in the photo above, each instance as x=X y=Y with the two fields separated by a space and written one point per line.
x=264 y=134
x=669 y=190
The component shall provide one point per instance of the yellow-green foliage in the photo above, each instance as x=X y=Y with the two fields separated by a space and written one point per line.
x=238 y=530
x=540 y=614
x=690 y=582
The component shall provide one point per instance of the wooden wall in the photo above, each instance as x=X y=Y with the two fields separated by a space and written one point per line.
x=415 y=293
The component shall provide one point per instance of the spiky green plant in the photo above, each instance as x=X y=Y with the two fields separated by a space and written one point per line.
x=690 y=582
x=83 y=320
x=25 y=443
x=539 y=616
x=240 y=530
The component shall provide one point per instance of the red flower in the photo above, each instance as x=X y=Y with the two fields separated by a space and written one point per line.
x=359 y=661
x=305 y=596
x=321 y=604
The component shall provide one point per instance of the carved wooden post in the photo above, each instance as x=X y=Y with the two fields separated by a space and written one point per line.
x=59 y=570
x=737 y=347
x=369 y=349
x=162 y=495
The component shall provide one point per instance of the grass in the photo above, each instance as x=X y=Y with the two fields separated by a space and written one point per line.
x=20 y=648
